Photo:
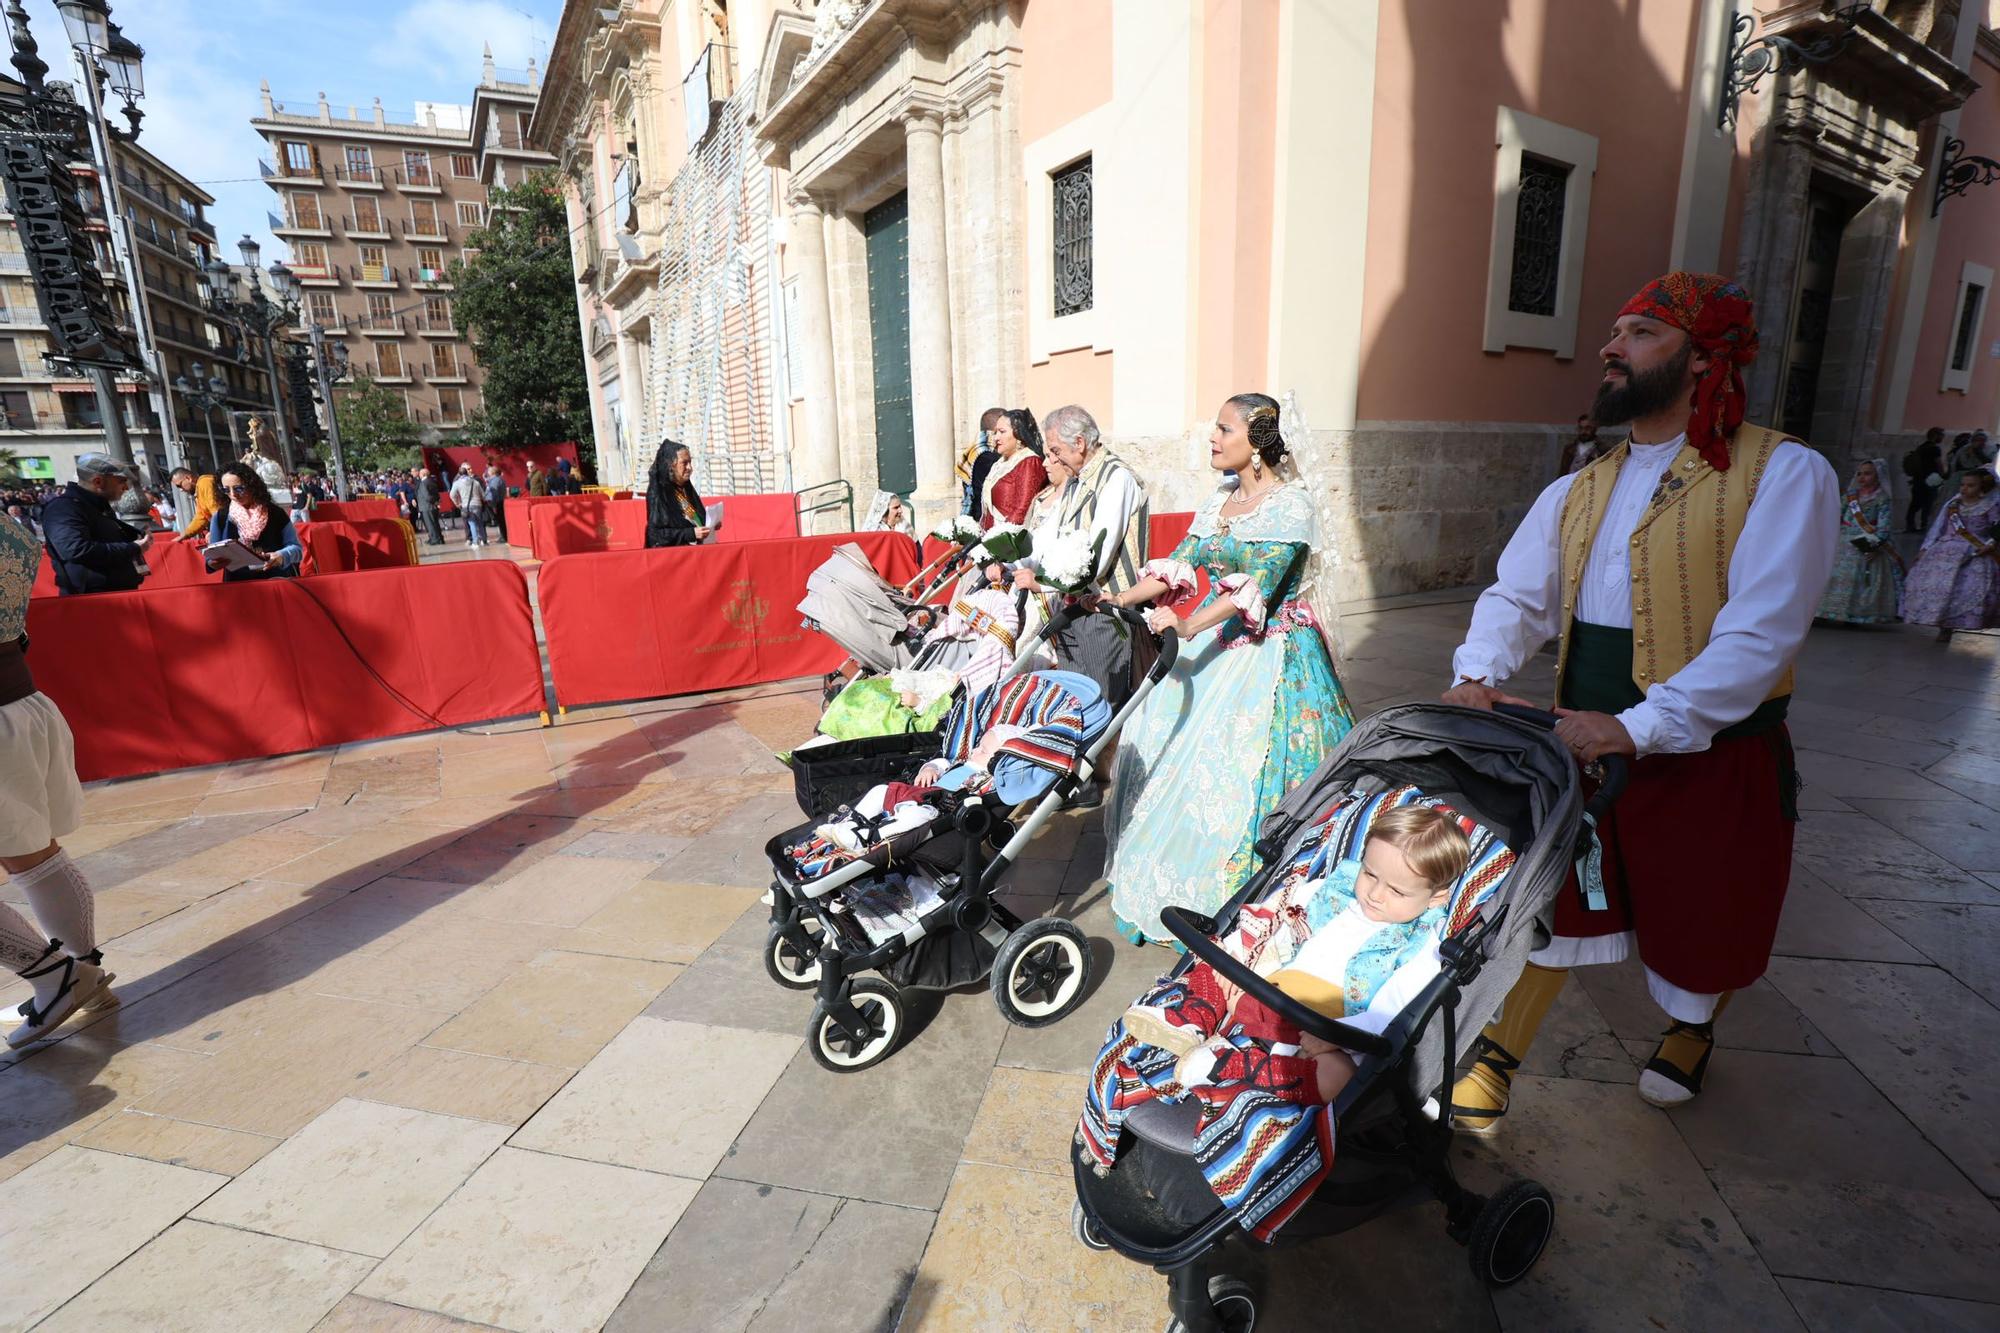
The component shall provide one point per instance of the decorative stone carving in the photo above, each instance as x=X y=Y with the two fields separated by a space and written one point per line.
x=831 y=22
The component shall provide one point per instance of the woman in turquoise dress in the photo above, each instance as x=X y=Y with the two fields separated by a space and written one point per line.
x=1252 y=705
x=1867 y=573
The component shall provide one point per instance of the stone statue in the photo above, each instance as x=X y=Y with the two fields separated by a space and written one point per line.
x=831 y=21
x=267 y=467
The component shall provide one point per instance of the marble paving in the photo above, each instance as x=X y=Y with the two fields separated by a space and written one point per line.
x=470 y=1030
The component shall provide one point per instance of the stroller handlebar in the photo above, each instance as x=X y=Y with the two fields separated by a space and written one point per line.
x=1073 y=609
x=1616 y=767
x=1319 y=1025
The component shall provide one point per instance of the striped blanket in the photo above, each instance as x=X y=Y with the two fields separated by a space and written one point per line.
x=1264 y=1141
x=1046 y=708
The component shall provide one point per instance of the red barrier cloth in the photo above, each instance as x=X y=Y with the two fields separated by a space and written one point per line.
x=1164 y=533
x=348 y=511
x=521 y=508
x=373 y=543
x=175 y=564
x=610 y=525
x=209 y=675
x=752 y=518
x=511 y=459
x=642 y=624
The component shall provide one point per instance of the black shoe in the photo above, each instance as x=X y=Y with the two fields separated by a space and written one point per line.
x=1087 y=797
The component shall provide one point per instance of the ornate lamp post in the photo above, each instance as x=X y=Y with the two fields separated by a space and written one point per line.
x=330 y=367
x=259 y=318
x=205 y=393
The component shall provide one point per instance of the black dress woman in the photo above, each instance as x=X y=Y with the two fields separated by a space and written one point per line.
x=675 y=515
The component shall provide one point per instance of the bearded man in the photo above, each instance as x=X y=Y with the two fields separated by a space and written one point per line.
x=1681 y=571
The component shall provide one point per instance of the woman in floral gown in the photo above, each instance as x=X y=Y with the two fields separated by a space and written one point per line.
x=1252 y=705
x=1955 y=583
x=1867 y=576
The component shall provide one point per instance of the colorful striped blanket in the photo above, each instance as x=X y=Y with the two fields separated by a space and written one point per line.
x=1264 y=1141
x=1052 y=714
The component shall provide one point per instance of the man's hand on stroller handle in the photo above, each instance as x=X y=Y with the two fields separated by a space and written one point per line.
x=1478 y=694
x=1591 y=736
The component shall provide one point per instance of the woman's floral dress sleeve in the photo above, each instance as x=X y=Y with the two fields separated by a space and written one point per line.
x=1268 y=570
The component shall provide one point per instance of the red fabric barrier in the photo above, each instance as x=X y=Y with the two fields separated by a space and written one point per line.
x=176 y=564
x=374 y=543
x=520 y=515
x=1164 y=533
x=752 y=518
x=512 y=460
x=208 y=675
x=349 y=511
x=642 y=624
x=610 y=525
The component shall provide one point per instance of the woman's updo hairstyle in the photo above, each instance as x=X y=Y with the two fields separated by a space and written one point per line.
x=1025 y=430
x=1260 y=420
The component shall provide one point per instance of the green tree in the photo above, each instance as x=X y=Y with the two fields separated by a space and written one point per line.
x=10 y=466
x=375 y=426
x=516 y=300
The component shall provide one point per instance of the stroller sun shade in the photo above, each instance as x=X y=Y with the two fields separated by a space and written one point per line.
x=859 y=610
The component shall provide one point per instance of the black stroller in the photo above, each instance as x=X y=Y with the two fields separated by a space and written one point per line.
x=1506 y=771
x=935 y=925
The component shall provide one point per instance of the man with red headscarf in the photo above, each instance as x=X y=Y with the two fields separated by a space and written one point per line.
x=1680 y=572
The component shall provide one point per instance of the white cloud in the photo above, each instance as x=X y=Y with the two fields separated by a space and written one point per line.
x=443 y=39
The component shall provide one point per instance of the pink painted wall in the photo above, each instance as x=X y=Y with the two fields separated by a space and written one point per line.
x=1081 y=376
x=1969 y=231
x=1065 y=62
x=1233 y=192
x=1443 y=68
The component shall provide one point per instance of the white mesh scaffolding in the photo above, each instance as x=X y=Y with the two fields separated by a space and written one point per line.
x=712 y=338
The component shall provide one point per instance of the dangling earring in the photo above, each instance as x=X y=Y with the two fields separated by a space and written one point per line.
x=1257 y=466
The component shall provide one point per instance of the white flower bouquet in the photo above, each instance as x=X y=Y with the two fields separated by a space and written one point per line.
x=960 y=528
x=1069 y=563
x=1008 y=543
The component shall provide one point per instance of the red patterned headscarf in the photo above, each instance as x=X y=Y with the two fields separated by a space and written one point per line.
x=1719 y=321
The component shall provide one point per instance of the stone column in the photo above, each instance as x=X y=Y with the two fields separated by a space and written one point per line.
x=930 y=316
x=817 y=454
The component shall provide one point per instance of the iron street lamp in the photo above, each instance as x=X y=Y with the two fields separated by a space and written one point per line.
x=258 y=317
x=205 y=394
x=89 y=23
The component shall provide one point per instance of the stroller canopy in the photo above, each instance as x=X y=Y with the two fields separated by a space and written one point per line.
x=859 y=610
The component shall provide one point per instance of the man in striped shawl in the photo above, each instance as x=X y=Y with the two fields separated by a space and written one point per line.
x=1105 y=501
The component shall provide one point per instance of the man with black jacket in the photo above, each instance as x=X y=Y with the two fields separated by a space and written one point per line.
x=427 y=506
x=90 y=549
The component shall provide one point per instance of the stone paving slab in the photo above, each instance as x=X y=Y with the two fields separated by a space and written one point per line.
x=349 y=974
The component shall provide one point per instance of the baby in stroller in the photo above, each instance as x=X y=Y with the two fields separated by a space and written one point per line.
x=1337 y=943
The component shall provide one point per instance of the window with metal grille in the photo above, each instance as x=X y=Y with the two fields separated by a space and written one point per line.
x=444 y=360
x=1538 y=227
x=1072 y=237
x=1968 y=325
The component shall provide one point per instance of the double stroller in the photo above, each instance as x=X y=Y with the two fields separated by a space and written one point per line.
x=1506 y=772
x=917 y=906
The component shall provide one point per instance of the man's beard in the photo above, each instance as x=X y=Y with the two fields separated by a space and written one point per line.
x=1643 y=392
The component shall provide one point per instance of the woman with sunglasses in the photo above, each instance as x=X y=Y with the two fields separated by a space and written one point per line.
x=254 y=518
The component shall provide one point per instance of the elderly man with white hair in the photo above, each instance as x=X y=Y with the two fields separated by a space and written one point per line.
x=1103 y=499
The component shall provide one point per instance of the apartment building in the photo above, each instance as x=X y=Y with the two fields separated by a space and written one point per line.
x=374 y=211
x=48 y=418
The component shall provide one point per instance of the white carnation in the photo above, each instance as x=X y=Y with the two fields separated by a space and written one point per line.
x=1069 y=561
x=965 y=528
x=979 y=555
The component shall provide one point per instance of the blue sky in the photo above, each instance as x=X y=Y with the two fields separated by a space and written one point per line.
x=204 y=59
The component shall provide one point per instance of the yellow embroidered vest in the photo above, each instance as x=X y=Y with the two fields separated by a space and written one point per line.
x=1679 y=554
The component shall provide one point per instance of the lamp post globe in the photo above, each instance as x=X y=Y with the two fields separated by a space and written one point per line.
x=249 y=250
x=124 y=62
x=283 y=281
x=88 y=23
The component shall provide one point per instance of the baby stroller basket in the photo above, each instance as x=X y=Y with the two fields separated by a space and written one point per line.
x=826 y=777
x=1507 y=772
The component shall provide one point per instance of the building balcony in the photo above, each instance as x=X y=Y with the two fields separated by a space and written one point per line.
x=435 y=328
x=430 y=279
x=22 y=318
x=400 y=377
x=424 y=229
x=420 y=180
x=378 y=277
x=380 y=326
x=371 y=229
x=299 y=223
x=334 y=325
x=363 y=178
x=317 y=275
x=286 y=175
x=14 y=263
x=453 y=375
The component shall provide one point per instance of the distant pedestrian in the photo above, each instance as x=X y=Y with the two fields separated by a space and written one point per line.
x=1975 y=454
x=469 y=494
x=538 y=480
x=496 y=502
x=1924 y=466
x=565 y=481
x=427 y=506
x=1586 y=448
x=1955 y=583
x=92 y=551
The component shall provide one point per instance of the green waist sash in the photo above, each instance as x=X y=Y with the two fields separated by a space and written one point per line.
x=1598 y=679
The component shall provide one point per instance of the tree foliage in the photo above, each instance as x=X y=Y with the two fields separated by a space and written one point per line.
x=516 y=300
x=375 y=426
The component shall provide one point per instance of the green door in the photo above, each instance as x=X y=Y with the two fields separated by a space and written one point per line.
x=887 y=228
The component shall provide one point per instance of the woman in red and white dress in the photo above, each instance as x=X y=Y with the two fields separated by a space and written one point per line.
x=1018 y=477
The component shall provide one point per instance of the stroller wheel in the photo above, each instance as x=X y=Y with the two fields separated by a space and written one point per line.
x=1510 y=1233
x=844 y=1052
x=1233 y=1303
x=788 y=966
x=1086 y=1234
x=1042 y=972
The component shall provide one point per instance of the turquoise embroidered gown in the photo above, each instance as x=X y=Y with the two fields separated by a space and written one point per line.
x=1249 y=710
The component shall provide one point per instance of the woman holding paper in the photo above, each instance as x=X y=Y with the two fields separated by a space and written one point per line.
x=675 y=515
x=252 y=538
